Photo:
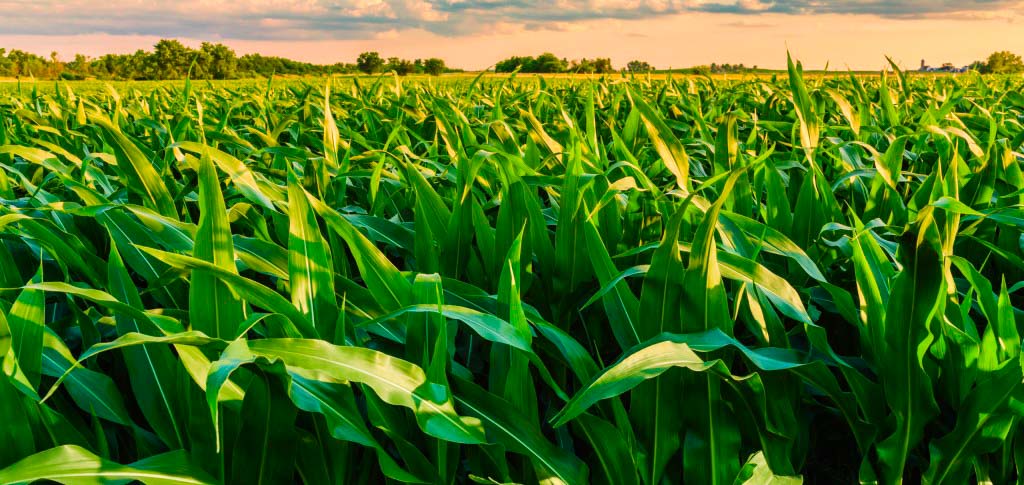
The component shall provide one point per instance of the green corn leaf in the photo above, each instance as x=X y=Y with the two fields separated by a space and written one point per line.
x=917 y=293
x=269 y=417
x=242 y=177
x=73 y=464
x=331 y=137
x=614 y=455
x=396 y=381
x=805 y=108
x=618 y=300
x=660 y=301
x=26 y=323
x=93 y=392
x=389 y=287
x=511 y=428
x=310 y=270
x=757 y=472
x=656 y=356
x=5 y=334
x=142 y=176
x=983 y=424
x=213 y=308
x=338 y=405
x=250 y=290
x=665 y=142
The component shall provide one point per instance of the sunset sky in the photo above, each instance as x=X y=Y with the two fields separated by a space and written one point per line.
x=473 y=34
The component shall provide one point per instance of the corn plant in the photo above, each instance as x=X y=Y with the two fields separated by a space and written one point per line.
x=501 y=280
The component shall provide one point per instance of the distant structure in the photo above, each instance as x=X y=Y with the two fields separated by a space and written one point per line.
x=945 y=67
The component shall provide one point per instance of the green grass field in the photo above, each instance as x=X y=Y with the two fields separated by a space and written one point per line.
x=27 y=85
x=513 y=280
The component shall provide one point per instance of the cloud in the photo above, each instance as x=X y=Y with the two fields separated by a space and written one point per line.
x=882 y=8
x=243 y=19
x=367 y=19
x=745 y=23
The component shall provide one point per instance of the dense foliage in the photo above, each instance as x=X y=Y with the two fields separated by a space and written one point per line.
x=722 y=69
x=1002 y=62
x=170 y=59
x=615 y=281
x=639 y=66
x=548 y=63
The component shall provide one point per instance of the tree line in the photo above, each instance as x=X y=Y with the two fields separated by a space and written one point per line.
x=1002 y=62
x=170 y=59
x=549 y=63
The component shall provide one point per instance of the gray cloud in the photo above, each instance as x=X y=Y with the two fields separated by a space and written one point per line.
x=361 y=19
x=882 y=8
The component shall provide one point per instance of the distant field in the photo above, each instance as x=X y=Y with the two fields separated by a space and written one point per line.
x=26 y=85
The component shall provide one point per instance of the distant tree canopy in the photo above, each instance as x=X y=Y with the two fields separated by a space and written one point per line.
x=601 y=65
x=544 y=63
x=21 y=63
x=171 y=59
x=402 y=67
x=703 y=70
x=258 y=64
x=728 y=68
x=434 y=66
x=1004 y=62
x=639 y=66
x=980 y=66
x=370 y=62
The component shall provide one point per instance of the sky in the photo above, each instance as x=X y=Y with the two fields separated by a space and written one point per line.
x=473 y=34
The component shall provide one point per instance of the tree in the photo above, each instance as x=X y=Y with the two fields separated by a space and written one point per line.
x=979 y=66
x=544 y=63
x=434 y=66
x=77 y=69
x=171 y=59
x=218 y=61
x=80 y=65
x=401 y=67
x=26 y=63
x=1005 y=62
x=513 y=63
x=547 y=63
x=55 y=66
x=600 y=65
x=603 y=65
x=582 y=66
x=405 y=67
x=700 y=70
x=370 y=62
x=639 y=66
x=5 y=63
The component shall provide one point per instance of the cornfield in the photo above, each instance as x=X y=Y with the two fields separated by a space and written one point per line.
x=618 y=280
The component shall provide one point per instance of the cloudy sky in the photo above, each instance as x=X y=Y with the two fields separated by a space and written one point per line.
x=475 y=33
